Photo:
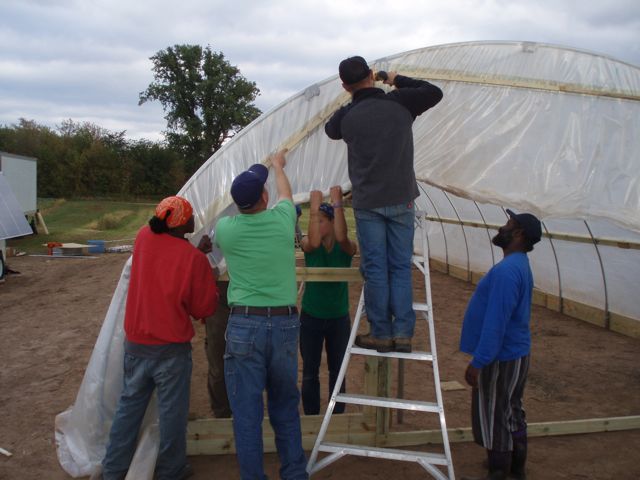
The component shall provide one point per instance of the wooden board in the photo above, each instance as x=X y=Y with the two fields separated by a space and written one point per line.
x=215 y=436
x=321 y=274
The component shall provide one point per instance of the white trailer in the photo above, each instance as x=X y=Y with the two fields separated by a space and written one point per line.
x=21 y=174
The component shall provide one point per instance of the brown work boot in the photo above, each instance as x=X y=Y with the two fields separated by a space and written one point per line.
x=369 y=341
x=402 y=344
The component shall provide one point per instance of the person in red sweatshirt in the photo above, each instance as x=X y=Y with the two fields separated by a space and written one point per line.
x=171 y=282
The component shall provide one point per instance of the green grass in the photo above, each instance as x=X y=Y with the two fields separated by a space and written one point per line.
x=80 y=220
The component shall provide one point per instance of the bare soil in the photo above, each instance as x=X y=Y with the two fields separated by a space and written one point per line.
x=51 y=314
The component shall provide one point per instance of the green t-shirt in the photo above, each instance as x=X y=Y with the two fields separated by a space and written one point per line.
x=260 y=253
x=326 y=299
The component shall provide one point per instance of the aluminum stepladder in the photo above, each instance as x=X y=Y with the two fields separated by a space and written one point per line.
x=429 y=461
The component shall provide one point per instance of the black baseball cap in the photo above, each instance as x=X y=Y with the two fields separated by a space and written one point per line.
x=529 y=223
x=353 y=69
x=247 y=187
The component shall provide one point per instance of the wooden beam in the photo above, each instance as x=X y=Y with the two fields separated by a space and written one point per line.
x=609 y=242
x=624 y=325
x=587 y=313
x=515 y=82
x=328 y=274
x=213 y=436
x=321 y=274
x=538 y=429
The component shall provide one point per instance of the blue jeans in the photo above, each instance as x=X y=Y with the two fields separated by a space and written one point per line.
x=385 y=236
x=172 y=378
x=334 y=333
x=262 y=352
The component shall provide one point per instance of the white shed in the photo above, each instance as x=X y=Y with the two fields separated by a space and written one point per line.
x=22 y=175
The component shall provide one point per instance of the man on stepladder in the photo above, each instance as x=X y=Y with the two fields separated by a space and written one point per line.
x=496 y=333
x=377 y=129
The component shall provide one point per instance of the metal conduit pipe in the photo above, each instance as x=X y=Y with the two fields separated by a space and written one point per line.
x=493 y=257
x=555 y=257
x=464 y=235
x=444 y=235
x=607 y=316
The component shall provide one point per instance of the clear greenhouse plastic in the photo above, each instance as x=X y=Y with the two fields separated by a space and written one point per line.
x=550 y=130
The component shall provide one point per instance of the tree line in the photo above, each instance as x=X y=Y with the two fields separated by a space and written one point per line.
x=86 y=160
x=206 y=101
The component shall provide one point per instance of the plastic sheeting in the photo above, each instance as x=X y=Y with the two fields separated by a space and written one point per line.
x=533 y=127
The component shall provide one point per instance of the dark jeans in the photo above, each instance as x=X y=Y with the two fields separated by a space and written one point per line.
x=170 y=377
x=334 y=333
x=385 y=236
x=214 y=346
x=262 y=354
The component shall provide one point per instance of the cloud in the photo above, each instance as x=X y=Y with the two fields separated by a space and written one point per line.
x=89 y=60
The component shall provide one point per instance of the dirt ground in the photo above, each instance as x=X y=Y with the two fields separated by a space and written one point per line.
x=51 y=314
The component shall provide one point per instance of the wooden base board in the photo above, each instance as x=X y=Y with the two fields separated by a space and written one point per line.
x=581 y=311
x=215 y=436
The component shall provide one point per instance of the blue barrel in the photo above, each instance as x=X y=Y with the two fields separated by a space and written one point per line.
x=96 y=246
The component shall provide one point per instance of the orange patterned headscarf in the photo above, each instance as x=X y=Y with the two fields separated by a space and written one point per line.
x=180 y=209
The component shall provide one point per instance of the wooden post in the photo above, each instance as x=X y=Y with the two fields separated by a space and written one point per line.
x=370 y=386
x=40 y=220
x=383 y=415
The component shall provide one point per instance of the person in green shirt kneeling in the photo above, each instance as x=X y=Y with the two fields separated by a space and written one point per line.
x=325 y=305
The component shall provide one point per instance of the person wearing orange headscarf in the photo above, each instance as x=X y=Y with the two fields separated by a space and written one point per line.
x=171 y=282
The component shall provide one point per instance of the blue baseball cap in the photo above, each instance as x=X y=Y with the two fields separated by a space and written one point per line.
x=247 y=187
x=327 y=210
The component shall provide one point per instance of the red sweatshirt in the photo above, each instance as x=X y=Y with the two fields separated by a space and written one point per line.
x=170 y=281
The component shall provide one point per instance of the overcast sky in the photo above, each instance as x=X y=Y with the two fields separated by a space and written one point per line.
x=88 y=60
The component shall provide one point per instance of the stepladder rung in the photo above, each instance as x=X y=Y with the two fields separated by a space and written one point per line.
x=424 y=356
x=384 y=402
x=388 y=453
x=421 y=307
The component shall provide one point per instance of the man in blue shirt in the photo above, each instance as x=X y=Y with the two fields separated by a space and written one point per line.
x=496 y=333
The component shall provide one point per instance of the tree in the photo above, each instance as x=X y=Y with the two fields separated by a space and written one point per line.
x=205 y=98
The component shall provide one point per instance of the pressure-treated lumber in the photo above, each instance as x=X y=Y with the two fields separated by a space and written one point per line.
x=580 y=311
x=322 y=274
x=538 y=429
x=569 y=237
x=515 y=82
x=215 y=436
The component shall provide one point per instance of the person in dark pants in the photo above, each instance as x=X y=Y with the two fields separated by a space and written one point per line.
x=325 y=305
x=171 y=281
x=377 y=128
x=215 y=345
x=496 y=333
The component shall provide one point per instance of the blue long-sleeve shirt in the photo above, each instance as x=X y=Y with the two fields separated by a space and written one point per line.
x=496 y=323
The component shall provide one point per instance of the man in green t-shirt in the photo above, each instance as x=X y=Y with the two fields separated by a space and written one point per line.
x=325 y=305
x=262 y=332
